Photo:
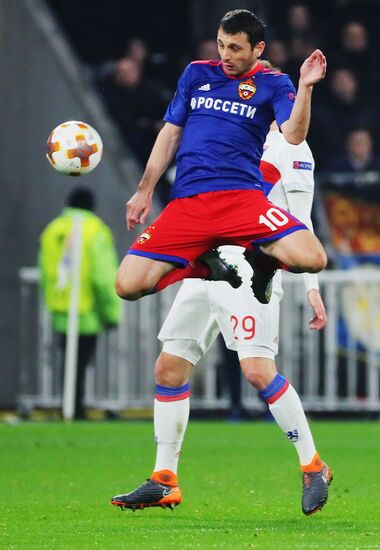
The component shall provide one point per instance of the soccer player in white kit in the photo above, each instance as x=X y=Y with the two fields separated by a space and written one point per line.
x=203 y=308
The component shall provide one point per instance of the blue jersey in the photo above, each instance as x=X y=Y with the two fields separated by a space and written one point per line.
x=225 y=121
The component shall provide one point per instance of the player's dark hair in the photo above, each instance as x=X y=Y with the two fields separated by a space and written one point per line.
x=237 y=21
x=81 y=198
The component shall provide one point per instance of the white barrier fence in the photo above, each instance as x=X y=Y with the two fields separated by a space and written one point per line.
x=333 y=370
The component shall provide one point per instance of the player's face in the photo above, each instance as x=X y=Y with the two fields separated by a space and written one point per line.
x=237 y=55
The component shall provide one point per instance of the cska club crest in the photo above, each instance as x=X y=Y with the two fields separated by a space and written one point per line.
x=247 y=89
x=146 y=235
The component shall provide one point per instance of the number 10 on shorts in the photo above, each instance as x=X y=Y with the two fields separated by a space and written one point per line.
x=274 y=219
x=243 y=328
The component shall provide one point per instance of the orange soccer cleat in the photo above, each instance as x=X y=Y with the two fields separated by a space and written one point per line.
x=316 y=478
x=161 y=489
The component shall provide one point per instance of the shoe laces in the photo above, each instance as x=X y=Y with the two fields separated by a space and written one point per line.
x=307 y=478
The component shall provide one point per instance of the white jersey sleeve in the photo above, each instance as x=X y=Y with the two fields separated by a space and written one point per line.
x=297 y=168
x=287 y=168
x=294 y=190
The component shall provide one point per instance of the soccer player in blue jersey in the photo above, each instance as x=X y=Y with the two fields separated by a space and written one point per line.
x=202 y=309
x=217 y=123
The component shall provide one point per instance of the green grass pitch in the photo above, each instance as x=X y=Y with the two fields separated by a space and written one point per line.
x=240 y=482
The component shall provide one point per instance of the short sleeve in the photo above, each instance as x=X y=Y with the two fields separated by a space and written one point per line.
x=179 y=106
x=283 y=98
x=297 y=167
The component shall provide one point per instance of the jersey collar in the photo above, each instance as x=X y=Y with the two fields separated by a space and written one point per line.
x=258 y=69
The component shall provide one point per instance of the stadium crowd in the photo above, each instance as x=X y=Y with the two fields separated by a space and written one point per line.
x=137 y=87
x=136 y=73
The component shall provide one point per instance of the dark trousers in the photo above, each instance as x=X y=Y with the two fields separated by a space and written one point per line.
x=86 y=352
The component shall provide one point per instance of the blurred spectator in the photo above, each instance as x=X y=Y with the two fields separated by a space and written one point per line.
x=158 y=65
x=332 y=119
x=135 y=101
x=301 y=38
x=358 y=155
x=299 y=49
x=357 y=169
x=99 y=306
x=207 y=49
x=300 y=23
x=356 y=53
x=136 y=95
x=278 y=54
x=137 y=49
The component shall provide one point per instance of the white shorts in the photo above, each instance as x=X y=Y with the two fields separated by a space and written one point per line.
x=202 y=309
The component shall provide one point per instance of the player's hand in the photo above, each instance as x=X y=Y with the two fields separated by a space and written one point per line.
x=319 y=320
x=313 y=69
x=138 y=208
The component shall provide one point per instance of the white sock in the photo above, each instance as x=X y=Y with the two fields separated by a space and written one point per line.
x=288 y=412
x=170 y=423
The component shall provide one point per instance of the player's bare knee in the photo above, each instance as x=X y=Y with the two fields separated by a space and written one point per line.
x=259 y=371
x=254 y=376
x=322 y=258
x=171 y=371
x=318 y=261
x=161 y=371
x=167 y=377
x=126 y=290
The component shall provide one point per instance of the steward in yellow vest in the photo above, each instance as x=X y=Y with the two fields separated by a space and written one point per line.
x=98 y=306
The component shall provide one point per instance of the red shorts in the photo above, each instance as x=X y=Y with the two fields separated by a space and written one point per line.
x=190 y=226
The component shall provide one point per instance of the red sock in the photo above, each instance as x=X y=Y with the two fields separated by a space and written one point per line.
x=193 y=270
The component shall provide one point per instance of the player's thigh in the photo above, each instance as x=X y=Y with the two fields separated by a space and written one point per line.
x=300 y=249
x=137 y=272
x=248 y=327
x=190 y=316
x=192 y=349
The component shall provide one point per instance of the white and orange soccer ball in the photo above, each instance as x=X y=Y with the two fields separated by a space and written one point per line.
x=74 y=148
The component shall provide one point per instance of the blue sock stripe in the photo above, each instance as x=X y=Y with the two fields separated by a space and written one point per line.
x=163 y=390
x=277 y=383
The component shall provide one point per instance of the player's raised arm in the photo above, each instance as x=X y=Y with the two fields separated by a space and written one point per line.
x=164 y=149
x=312 y=71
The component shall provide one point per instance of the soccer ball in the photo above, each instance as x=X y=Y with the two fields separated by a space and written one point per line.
x=74 y=148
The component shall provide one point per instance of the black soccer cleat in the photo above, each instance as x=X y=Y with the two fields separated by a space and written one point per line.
x=149 y=494
x=220 y=270
x=261 y=281
x=315 y=489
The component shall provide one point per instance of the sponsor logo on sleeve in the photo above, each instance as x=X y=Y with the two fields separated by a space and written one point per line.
x=302 y=165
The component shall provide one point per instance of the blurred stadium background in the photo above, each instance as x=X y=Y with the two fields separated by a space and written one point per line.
x=116 y=68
